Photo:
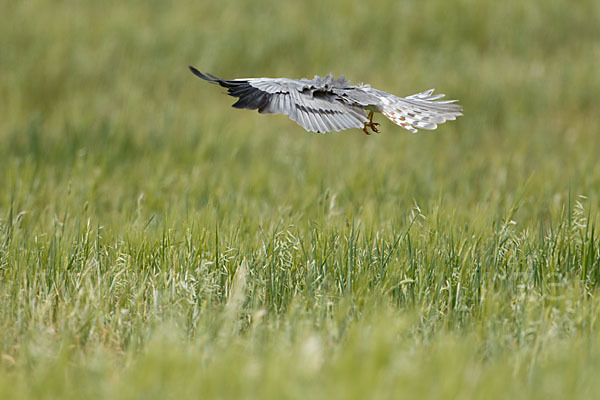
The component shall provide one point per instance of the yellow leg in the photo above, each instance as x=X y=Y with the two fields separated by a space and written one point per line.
x=370 y=124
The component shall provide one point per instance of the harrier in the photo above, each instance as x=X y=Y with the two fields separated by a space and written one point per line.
x=327 y=104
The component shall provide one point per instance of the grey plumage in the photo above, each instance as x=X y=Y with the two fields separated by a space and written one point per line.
x=325 y=104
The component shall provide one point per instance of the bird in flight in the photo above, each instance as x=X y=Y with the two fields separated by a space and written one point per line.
x=327 y=104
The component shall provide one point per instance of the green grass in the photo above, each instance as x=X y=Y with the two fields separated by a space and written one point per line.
x=156 y=243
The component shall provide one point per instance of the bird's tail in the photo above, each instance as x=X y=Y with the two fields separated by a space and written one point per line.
x=421 y=111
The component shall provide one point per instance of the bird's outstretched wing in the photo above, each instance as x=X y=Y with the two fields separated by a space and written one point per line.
x=313 y=104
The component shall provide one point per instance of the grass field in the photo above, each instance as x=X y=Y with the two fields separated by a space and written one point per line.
x=156 y=243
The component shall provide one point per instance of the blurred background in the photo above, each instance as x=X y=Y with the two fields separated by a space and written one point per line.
x=100 y=111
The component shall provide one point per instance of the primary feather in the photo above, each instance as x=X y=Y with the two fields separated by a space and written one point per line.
x=325 y=104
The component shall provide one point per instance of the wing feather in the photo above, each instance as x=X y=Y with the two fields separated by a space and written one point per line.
x=348 y=120
x=309 y=121
x=332 y=122
x=320 y=123
x=325 y=126
x=339 y=121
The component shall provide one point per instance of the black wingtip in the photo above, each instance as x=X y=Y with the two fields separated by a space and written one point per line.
x=201 y=75
x=195 y=71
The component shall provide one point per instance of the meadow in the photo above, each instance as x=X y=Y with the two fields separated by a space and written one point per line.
x=157 y=243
